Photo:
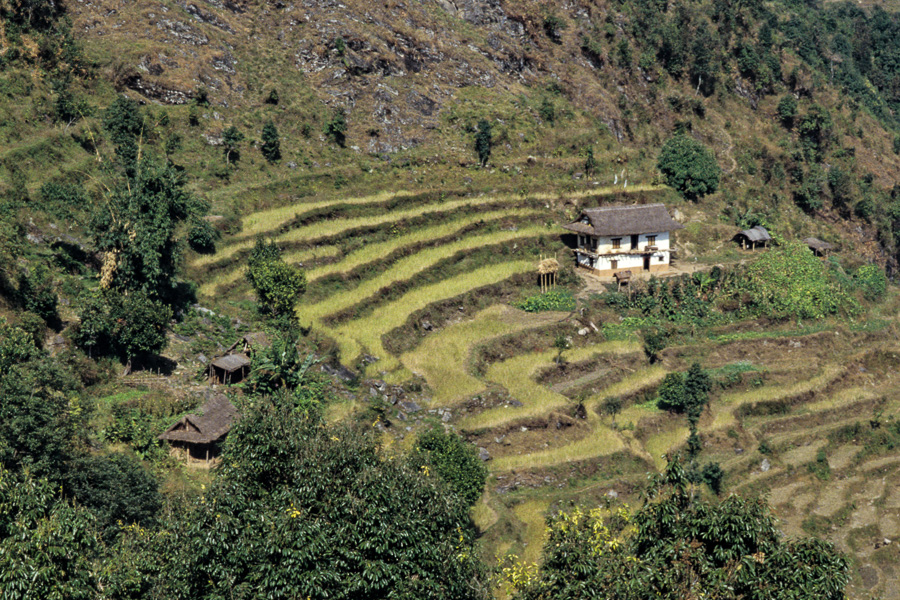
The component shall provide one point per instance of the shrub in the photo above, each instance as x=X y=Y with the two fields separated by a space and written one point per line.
x=787 y=110
x=483 y=142
x=336 y=128
x=872 y=282
x=789 y=281
x=202 y=237
x=455 y=461
x=561 y=300
x=271 y=147
x=117 y=489
x=689 y=167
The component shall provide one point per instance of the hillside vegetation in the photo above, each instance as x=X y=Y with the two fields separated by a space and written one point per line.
x=373 y=184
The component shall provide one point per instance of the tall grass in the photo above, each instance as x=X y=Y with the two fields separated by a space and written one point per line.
x=442 y=359
x=371 y=252
x=332 y=227
x=515 y=374
x=228 y=277
x=365 y=333
x=273 y=218
x=405 y=269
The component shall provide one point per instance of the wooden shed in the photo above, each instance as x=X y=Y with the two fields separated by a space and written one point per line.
x=230 y=368
x=818 y=247
x=753 y=237
x=198 y=437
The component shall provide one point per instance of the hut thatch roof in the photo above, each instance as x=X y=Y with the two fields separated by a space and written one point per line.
x=624 y=220
x=756 y=234
x=253 y=341
x=231 y=362
x=818 y=245
x=210 y=425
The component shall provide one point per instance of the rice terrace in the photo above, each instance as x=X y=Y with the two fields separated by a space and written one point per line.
x=449 y=300
x=428 y=313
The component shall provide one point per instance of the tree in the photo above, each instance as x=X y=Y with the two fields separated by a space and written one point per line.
x=815 y=131
x=612 y=406
x=231 y=139
x=483 y=142
x=116 y=489
x=590 y=163
x=336 y=128
x=135 y=227
x=47 y=546
x=202 y=237
x=41 y=419
x=680 y=545
x=277 y=284
x=787 y=111
x=271 y=147
x=655 y=340
x=300 y=510
x=124 y=124
x=561 y=344
x=455 y=461
x=689 y=167
x=125 y=325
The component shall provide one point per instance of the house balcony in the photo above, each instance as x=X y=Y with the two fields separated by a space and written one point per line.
x=621 y=251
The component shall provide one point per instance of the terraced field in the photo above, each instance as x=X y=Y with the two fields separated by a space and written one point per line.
x=379 y=265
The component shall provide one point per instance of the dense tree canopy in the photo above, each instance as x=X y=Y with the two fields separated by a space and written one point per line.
x=689 y=167
x=303 y=511
x=277 y=284
x=136 y=225
x=679 y=545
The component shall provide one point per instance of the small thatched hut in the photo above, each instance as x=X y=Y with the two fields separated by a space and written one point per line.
x=753 y=237
x=818 y=247
x=230 y=368
x=199 y=437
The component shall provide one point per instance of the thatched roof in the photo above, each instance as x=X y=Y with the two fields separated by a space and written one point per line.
x=624 y=220
x=231 y=362
x=210 y=425
x=756 y=234
x=817 y=244
x=548 y=265
x=253 y=341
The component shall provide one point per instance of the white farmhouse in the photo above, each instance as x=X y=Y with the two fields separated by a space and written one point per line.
x=636 y=238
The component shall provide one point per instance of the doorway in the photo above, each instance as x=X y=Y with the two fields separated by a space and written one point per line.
x=634 y=242
x=647 y=262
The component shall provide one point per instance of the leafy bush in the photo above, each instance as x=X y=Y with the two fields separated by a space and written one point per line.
x=561 y=300
x=336 y=128
x=455 y=461
x=202 y=237
x=689 y=167
x=117 y=489
x=686 y=547
x=789 y=281
x=483 y=142
x=872 y=281
x=277 y=284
